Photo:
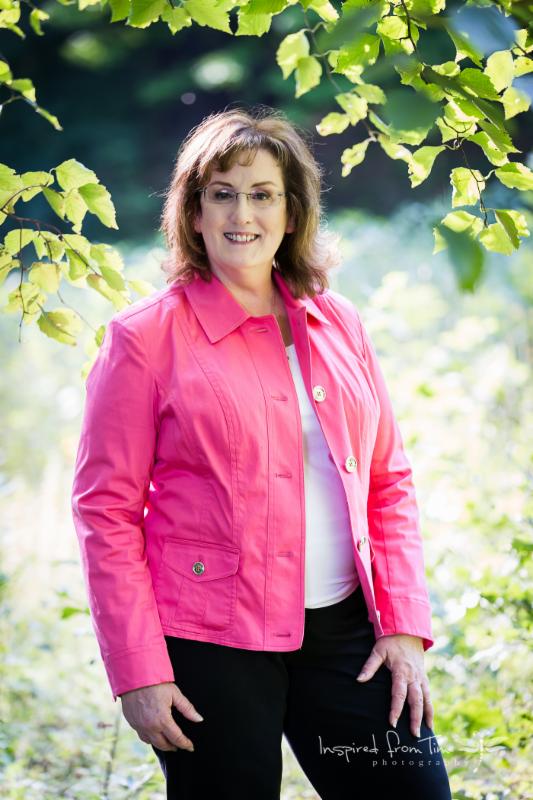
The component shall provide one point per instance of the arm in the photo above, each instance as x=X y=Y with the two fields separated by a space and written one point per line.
x=398 y=566
x=111 y=481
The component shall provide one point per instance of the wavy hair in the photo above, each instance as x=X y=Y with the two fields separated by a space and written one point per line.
x=305 y=256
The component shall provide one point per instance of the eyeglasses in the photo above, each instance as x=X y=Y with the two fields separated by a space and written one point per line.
x=260 y=198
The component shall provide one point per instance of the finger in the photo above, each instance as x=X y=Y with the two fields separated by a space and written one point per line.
x=415 y=699
x=185 y=707
x=162 y=743
x=428 y=705
x=175 y=736
x=399 y=693
x=373 y=662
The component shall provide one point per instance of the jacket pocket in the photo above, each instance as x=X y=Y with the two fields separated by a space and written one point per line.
x=197 y=584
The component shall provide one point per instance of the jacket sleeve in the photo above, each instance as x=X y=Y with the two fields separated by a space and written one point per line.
x=393 y=521
x=111 y=482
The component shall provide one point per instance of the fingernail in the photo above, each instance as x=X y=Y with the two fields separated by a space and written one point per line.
x=199 y=716
x=393 y=723
x=191 y=749
x=418 y=733
x=362 y=675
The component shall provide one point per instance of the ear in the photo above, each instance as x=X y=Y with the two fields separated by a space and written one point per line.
x=291 y=227
x=196 y=223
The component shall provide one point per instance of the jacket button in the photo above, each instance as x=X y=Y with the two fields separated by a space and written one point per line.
x=351 y=463
x=361 y=543
x=319 y=393
x=198 y=568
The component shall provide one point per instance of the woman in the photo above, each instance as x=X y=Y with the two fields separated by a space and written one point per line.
x=245 y=510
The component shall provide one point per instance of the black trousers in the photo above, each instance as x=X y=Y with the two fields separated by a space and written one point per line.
x=337 y=727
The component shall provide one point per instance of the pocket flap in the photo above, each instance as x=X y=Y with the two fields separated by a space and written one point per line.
x=200 y=561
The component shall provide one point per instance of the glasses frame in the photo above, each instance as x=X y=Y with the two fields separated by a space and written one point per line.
x=236 y=194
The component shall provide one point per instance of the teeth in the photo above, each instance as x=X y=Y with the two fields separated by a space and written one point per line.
x=236 y=238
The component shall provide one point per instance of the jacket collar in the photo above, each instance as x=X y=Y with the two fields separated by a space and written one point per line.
x=219 y=313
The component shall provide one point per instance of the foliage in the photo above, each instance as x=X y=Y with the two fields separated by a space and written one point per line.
x=466 y=99
x=458 y=367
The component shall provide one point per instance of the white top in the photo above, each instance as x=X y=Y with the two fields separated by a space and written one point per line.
x=330 y=573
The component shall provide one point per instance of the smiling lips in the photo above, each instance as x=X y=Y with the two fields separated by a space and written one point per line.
x=237 y=238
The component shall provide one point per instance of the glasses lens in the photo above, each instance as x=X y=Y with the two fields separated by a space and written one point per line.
x=260 y=198
x=215 y=195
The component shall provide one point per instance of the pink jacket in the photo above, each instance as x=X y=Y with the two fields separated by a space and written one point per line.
x=188 y=494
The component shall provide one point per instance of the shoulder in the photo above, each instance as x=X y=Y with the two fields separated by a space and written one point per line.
x=340 y=311
x=149 y=315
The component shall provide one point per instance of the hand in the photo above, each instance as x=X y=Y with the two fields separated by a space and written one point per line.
x=403 y=654
x=148 y=711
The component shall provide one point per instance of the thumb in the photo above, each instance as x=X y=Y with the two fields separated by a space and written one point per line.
x=184 y=705
x=372 y=663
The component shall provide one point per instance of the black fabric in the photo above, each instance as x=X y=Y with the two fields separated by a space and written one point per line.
x=249 y=699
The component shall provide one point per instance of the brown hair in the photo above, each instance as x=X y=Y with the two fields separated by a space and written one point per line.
x=217 y=142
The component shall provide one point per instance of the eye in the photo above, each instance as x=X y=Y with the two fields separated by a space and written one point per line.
x=261 y=195
x=222 y=194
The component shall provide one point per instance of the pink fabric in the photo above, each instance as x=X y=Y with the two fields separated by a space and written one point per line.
x=188 y=494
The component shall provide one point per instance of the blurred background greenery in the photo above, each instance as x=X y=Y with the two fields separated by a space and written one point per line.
x=458 y=366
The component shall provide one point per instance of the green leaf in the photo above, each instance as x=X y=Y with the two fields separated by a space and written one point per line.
x=448 y=68
x=465 y=254
x=6 y=265
x=362 y=50
x=356 y=107
x=10 y=185
x=499 y=136
x=62 y=325
x=308 y=73
x=56 y=201
x=106 y=256
x=35 y=180
x=292 y=48
x=49 y=117
x=25 y=87
x=203 y=13
x=334 y=122
x=176 y=18
x=421 y=163
x=353 y=156
x=48 y=244
x=113 y=278
x=515 y=175
x=144 y=12
x=17 y=239
x=37 y=15
x=251 y=24
x=371 y=93
x=518 y=219
x=459 y=221
x=97 y=283
x=393 y=149
x=144 y=288
x=522 y=66
x=464 y=48
x=494 y=155
x=392 y=27
x=120 y=10
x=323 y=8
x=45 y=275
x=75 y=208
x=77 y=267
x=500 y=69
x=508 y=224
x=478 y=84
x=467 y=185
x=98 y=201
x=514 y=102
x=72 y=174
x=495 y=238
x=78 y=243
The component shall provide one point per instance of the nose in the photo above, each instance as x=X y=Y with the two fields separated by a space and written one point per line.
x=241 y=210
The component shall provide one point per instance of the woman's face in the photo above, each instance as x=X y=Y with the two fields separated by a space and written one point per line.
x=235 y=260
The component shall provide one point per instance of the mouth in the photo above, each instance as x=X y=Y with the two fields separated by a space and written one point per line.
x=241 y=239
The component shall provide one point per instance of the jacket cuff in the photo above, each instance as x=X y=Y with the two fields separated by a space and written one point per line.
x=406 y=615
x=133 y=669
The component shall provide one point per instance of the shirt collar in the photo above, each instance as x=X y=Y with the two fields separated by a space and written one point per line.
x=219 y=313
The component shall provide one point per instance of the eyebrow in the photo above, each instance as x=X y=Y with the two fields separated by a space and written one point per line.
x=259 y=183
